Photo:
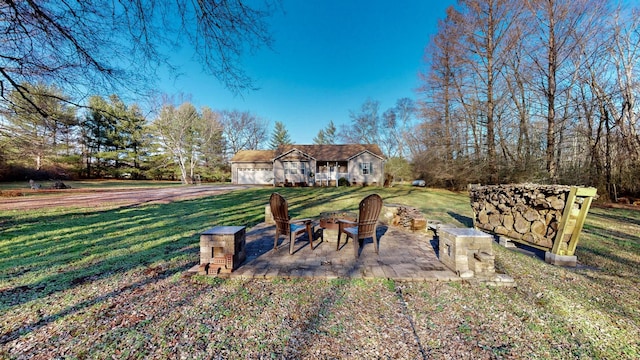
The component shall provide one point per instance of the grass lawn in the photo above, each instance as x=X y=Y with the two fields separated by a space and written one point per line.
x=89 y=184
x=110 y=282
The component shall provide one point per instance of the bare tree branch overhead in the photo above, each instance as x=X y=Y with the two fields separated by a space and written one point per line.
x=100 y=46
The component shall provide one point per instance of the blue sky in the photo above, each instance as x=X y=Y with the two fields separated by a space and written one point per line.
x=328 y=58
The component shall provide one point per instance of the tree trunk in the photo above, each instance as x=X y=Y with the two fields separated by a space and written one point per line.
x=551 y=110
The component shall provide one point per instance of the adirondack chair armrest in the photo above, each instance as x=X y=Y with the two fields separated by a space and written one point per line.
x=343 y=224
x=347 y=222
x=301 y=221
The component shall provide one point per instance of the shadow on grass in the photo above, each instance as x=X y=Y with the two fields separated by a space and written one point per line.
x=50 y=253
x=620 y=215
x=85 y=246
x=334 y=295
x=58 y=251
x=44 y=321
x=613 y=255
x=300 y=325
x=464 y=220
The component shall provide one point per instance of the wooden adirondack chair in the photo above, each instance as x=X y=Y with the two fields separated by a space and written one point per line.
x=366 y=225
x=287 y=226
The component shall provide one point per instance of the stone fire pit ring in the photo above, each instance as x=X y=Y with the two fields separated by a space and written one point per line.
x=329 y=223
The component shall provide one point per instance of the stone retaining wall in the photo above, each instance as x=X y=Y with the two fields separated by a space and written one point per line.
x=527 y=212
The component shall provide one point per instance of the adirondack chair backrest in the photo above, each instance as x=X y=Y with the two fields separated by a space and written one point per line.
x=280 y=212
x=370 y=208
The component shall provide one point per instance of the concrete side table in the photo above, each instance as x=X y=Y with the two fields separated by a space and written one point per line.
x=467 y=252
x=222 y=249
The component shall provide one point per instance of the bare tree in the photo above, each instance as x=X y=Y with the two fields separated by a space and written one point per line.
x=396 y=122
x=405 y=112
x=364 y=126
x=485 y=27
x=442 y=139
x=242 y=130
x=607 y=102
x=389 y=134
x=519 y=83
x=559 y=27
x=556 y=80
x=625 y=57
x=437 y=87
x=98 y=46
x=175 y=129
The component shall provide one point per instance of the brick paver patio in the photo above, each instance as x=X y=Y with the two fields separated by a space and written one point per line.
x=404 y=255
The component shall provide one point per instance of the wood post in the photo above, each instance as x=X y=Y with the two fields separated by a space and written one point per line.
x=575 y=212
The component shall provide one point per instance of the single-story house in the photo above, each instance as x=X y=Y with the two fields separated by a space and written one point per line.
x=309 y=165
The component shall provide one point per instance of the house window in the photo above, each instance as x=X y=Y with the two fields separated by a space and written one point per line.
x=290 y=167
x=366 y=168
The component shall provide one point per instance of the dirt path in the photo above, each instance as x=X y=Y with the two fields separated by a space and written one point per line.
x=102 y=197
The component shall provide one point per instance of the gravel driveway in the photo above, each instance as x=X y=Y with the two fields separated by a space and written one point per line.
x=122 y=197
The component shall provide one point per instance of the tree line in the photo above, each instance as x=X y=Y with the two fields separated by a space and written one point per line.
x=108 y=138
x=511 y=91
x=113 y=139
x=534 y=90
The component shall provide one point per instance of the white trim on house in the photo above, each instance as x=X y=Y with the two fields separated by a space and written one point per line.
x=365 y=151
x=294 y=150
x=336 y=156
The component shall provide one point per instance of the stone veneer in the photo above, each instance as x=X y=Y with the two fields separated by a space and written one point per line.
x=467 y=252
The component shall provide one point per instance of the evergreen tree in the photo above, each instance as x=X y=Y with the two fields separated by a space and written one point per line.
x=134 y=140
x=320 y=138
x=39 y=124
x=326 y=135
x=280 y=136
x=113 y=137
x=96 y=126
x=330 y=133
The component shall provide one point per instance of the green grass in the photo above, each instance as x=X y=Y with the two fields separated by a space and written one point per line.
x=109 y=282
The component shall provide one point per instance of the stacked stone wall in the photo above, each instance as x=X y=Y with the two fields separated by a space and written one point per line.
x=530 y=213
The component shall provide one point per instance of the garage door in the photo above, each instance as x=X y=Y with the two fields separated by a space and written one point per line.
x=255 y=176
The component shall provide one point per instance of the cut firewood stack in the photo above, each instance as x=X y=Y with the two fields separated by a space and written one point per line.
x=409 y=218
x=544 y=216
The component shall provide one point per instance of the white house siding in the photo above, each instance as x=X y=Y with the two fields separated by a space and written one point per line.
x=302 y=164
x=375 y=177
x=268 y=166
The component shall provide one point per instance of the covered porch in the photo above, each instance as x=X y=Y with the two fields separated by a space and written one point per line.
x=328 y=173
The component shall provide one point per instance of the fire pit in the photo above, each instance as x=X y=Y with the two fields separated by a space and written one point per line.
x=329 y=223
